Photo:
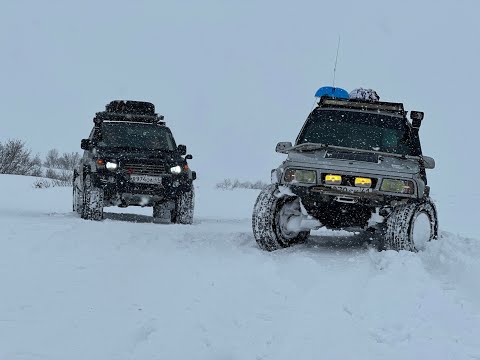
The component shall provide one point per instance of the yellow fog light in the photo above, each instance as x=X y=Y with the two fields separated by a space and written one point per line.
x=363 y=182
x=333 y=179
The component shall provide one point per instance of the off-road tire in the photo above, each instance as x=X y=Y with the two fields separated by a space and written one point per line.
x=184 y=208
x=162 y=213
x=264 y=220
x=398 y=233
x=92 y=208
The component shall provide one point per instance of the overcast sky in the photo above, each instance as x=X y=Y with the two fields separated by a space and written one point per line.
x=234 y=78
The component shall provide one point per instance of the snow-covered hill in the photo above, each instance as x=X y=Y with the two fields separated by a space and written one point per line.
x=126 y=288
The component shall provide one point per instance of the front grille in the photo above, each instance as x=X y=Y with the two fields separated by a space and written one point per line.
x=145 y=169
x=356 y=156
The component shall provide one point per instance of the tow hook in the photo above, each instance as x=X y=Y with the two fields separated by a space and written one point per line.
x=346 y=199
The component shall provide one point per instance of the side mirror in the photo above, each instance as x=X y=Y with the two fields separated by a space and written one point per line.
x=189 y=157
x=85 y=144
x=417 y=117
x=194 y=175
x=182 y=149
x=282 y=147
x=428 y=162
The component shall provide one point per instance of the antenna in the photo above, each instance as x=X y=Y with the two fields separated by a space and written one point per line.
x=336 y=60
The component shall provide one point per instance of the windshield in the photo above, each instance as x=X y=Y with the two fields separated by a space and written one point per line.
x=360 y=130
x=136 y=136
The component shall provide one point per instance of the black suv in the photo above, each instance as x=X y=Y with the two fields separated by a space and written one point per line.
x=131 y=159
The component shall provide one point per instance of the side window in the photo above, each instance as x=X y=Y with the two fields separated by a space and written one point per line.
x=95 y=135
x=86 y=152
x=171 y=140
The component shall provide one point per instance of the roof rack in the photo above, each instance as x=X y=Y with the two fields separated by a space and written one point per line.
x=106 y=116
x=330 y=102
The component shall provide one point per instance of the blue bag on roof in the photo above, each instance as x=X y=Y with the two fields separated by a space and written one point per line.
x=335 y=92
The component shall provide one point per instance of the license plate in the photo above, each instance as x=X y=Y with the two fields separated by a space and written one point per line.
x=352 y=190
x=146 y=179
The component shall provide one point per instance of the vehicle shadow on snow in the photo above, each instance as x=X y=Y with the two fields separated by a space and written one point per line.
x=146 y=219
x=135 y=218
x=338 y=241
x=330 y=241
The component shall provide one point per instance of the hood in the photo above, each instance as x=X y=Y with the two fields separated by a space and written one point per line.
x=385 y=164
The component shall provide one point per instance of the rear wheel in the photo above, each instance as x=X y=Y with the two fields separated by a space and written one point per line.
x=411 y=226
x=77 y=199
x=272 y=214
x=76 y=195
x=92 y=208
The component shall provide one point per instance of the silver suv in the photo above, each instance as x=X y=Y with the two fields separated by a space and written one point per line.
x=356 y=165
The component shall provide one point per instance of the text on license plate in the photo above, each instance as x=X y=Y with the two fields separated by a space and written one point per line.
x=146 y=179
x=351 y=189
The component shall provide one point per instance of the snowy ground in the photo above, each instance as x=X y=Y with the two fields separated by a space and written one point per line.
x=126 y=288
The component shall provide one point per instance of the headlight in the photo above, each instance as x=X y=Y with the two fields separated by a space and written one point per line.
x=398 y=186
x=176 y=169
x=301 y=176
x=110 y=165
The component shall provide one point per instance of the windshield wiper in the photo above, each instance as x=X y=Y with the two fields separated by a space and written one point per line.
x=315 y=146
x=309 y=147
x=134 y=148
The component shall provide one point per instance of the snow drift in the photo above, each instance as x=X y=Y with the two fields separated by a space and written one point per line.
x=126 y=288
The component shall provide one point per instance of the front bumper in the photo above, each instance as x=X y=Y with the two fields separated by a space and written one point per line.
x=340 y=209
x=120 y=190
x=320 y=193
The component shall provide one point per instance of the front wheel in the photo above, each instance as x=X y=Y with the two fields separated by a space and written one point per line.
x=411 y=226
x=184 y=207
x=92 y=208
x=271 y=215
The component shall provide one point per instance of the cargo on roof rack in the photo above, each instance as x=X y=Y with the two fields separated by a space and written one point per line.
x=128 y=110
x=357 y=104
x=130 y=107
